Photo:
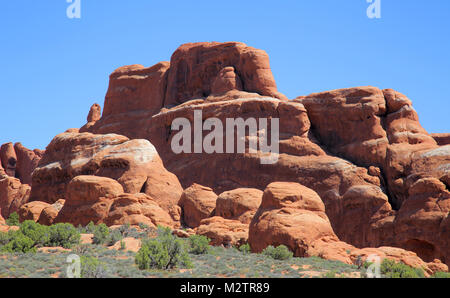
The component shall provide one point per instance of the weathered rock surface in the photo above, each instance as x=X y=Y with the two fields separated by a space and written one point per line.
x=13 y=194
x=223 y=231
x=293 y=215
x=49 y=214
x=135 y=209
x=239 y=204
x=197 y=203
x=101 y=200
x=194 y=68
x=32 y=210
x=441 y=139
x=135 y=164
x=18 y=161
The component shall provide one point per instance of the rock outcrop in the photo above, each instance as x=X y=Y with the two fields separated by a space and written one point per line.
x=102 y=200
x=239 y=204
x=197 y=203
x=13 y=194
x=135 y=164
x=355 y=173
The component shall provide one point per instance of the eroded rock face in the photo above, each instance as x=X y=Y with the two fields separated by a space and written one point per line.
x=293 y=215
x=197 y=203
x=134 y=164
x=101 y=200
x=194 y=68
x=32 y=210
x=9 y=159
x=135 y=209
x=13 y=194
x=136 y=88
x=223 y=231
x=239 y=204
x=442 y=139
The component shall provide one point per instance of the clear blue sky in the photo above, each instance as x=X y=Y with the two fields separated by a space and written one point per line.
x=55 y=68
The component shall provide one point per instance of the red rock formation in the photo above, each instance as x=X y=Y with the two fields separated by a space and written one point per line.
x=197 y=202
x=135 y=209
x=293 y=215
x=95 y=113
x=135 y=164
x=13 y=194
x=239 y=204
x=442 y=139
x=27 y=161
x=101 y=200
x=49 y=214
x=9 y=159
x=223 y=231
x=32 y=210
x=136 y=88
x=194 y=68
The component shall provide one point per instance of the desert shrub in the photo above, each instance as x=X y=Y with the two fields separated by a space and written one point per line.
x=91 y=267
x=113 y=237
x=13 y=219
x=392 y=269
x=39 y=234
x=63 y=234
x=278 y=253
x=245 y=248
x=101 y=233
x=19 y=243
x=198 y=244
x=166 y=251
x=441 y=275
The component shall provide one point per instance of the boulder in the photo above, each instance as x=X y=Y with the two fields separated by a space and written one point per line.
x=293 y=215
x=88 y=198
x=32 y=210
x=134 y=209
x=197 y=202
x=223 y=231
x=135 y=164
x=13 y=194
x=48 y=214
x=240 y=204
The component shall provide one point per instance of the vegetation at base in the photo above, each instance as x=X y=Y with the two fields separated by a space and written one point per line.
x=13 y=219
x=32 y=235
x=245 y=248
x=91 y=267
x=280 y=252
x=198 y=244
x=163 y=256
x=166 y=251
x=441 y=275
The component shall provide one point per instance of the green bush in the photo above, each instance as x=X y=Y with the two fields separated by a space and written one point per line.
x=19 y=243
x=32 y=235
x=113 y=237
x=278 y=253
x=38 y=233
x=392 y=269
x=92 y=268
x=441 y=275
x=13 y=219
x=198 y=244
x=166 y=251
x=245 y=248
x=63 y=234
x=101 y=233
